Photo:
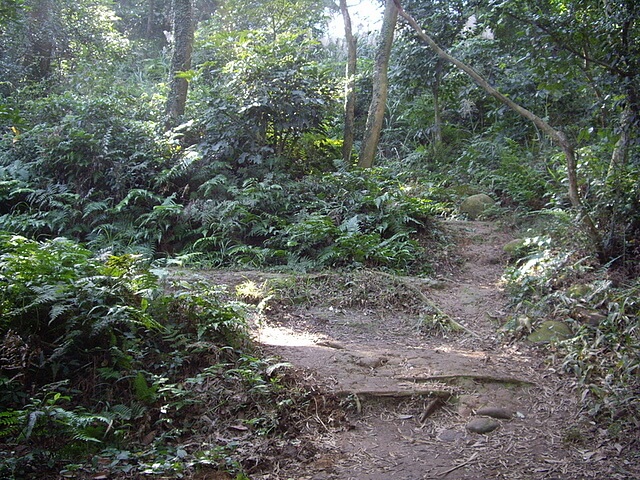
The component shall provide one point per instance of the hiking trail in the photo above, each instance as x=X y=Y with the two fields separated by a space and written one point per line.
x=425 y=403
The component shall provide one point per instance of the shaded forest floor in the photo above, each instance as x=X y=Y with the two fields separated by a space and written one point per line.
x=414 y=389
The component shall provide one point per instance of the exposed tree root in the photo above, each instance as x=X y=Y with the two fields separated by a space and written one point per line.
x=429 y=392
x=471 y=376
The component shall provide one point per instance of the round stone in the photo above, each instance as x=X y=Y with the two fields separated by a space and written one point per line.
x=482 y=425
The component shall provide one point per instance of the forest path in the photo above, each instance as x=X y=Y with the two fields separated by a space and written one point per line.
x=397 y=377
x=413 y=394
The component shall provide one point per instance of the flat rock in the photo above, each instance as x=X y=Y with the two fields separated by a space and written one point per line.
x=372 y=362
x=495 y=412
x=331 y=344
x=550 y=331
x=450 y=435
x=482 y=425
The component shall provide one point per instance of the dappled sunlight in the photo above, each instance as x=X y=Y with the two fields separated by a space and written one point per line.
x=286 y=337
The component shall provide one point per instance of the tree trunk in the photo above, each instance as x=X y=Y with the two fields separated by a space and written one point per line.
x=151 y=12
x=183 y=31
x=375 y=117
x=556 y=135
x=349 y=89
x=437 y=116
x=42 y=42
x=621 y=149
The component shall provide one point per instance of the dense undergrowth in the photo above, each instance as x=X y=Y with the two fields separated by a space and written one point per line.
x=105 y=372
x=125 y=370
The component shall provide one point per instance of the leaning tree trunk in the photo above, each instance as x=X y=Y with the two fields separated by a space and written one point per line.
x=375 y=117
x=556 y=135
x=183 y=31
x=350 y=83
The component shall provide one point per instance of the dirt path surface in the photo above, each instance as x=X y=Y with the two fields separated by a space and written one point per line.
x=418 y=395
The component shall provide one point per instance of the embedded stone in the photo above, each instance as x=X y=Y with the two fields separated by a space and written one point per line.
x=514 y=248
x=482 y=425
x=551 y=331
x=495 y=412
x=450 y=435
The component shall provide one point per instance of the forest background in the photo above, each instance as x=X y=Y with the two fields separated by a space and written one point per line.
x=141 y=135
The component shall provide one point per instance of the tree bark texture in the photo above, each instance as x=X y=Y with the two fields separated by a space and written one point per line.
x=375 y=117
x=621 y=149
x=349 y=88
x=556 y=135
x=183 y=32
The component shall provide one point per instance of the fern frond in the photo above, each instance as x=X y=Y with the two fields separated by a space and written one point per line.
x=10 y=422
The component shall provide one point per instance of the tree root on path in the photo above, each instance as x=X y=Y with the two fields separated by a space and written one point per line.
x=471 y=376
x=441 y=396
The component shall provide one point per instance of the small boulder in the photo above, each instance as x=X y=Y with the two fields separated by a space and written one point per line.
x=372 y=361
x=475 y=205
x=495 y=412
x=482 y=425
x=515 y=248
x=550 y=331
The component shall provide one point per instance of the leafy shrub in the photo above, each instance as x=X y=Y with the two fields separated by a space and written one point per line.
x=508 y=169
x=269 y=103
x=77 y=169
x=68 y=307
x=90 y=145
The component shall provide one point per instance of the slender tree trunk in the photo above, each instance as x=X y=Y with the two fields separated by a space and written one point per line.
x=151 y=12
x=183 y=31
x=435 y=89
x=375 y=117
x=621 y=149
x=349 y=88
x=556 y=135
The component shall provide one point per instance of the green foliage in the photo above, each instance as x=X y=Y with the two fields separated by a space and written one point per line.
x=199 y=310
x=505 y=167
x=101 y=327
x=47 y=39
x=84 y=170
x=251 y=180
x=555 y=281
x=67 y=306
x=340 y=219
x=271 y=101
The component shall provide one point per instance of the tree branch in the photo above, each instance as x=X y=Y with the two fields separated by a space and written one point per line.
x=556 y=135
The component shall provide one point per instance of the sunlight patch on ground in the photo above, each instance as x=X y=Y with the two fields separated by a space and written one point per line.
x=286 y=337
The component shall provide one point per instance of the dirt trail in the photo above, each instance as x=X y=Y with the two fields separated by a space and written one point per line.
x=415 y=396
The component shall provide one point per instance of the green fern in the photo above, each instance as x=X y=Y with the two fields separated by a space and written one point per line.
x=10 y=423
x=143 y=391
